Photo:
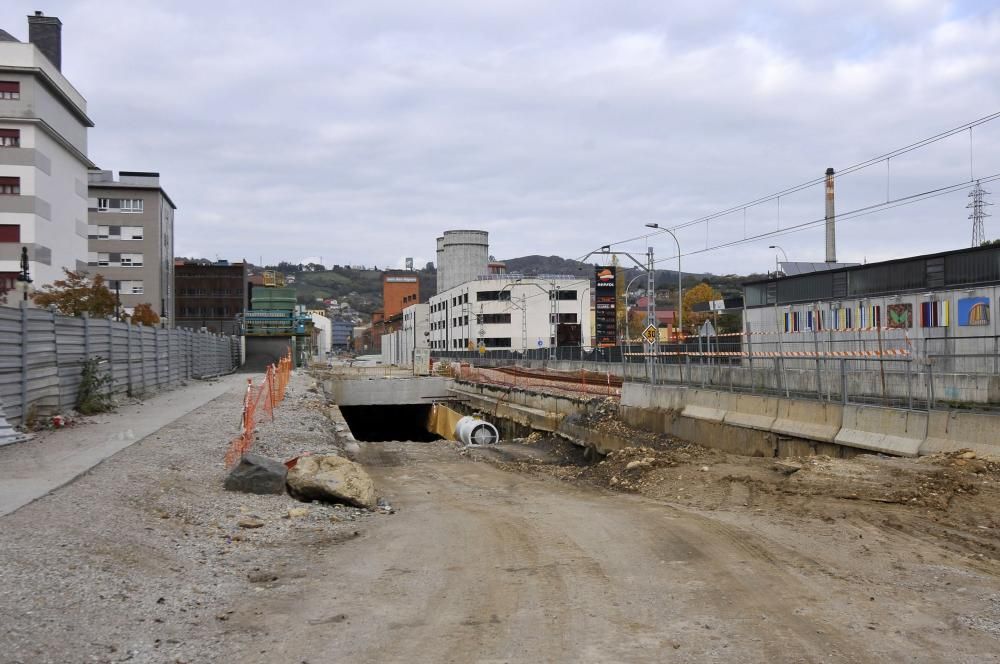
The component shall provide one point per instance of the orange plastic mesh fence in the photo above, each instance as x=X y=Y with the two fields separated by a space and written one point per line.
x=260 y=399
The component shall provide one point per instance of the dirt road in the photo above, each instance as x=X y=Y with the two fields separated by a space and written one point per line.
x=141 y=560
x=482 y=565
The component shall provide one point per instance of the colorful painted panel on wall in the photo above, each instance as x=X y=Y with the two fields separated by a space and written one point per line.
x=900 y=315
x=935 y=314
x=974 y=311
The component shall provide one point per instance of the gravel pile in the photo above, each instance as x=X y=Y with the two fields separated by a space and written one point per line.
x=146 y=558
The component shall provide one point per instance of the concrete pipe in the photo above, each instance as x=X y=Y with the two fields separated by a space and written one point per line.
x=474 y=431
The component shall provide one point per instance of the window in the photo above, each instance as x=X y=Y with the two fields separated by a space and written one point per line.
x=131 y=205
x=131 y=232
x=492 y=319
x=496 y=342
x=103 y=259
x=102 y=204
x=10 y=232
x=10 y=138
x=562 y=295
x=563 y=318
x=10 y=186
x=10 y=90
x=131 y=260
x=492 y=296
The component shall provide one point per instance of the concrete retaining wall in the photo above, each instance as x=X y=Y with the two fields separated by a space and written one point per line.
x=773 y=426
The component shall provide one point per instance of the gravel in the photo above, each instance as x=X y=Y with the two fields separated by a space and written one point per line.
x=143 y=559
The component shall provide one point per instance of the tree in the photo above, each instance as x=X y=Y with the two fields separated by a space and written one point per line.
x=77 y=294
x=700 y=293
x=143 y=314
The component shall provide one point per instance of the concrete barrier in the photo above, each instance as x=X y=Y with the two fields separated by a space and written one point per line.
x=659 y=397
x=752 y=412
x=812 y=420
x=948 y=431
x=886 y=430
x=707 y=405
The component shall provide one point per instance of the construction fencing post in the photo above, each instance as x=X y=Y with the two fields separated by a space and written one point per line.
x=24 y=361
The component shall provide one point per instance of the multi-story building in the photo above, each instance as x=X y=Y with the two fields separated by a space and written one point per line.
x=341 y=333
x=211 y=296
x=43 y=157
x=131 y=239
x=511 y=312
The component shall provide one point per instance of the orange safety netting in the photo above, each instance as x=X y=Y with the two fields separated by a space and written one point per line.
x=269 y=393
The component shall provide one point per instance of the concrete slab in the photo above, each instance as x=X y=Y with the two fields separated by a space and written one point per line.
x=886 y=430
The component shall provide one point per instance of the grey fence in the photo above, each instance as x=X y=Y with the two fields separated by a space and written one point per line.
x=42 y=356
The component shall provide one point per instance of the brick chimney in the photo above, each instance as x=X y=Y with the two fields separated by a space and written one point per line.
x=45 y=32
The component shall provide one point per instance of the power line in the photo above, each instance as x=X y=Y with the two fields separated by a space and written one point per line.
x=844 y=216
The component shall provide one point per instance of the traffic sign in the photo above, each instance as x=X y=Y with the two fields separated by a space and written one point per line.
x=650 y=334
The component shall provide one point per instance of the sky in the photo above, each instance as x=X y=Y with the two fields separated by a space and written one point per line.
x=357 y=132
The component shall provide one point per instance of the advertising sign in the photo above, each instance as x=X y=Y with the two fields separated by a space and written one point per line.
x=606 y=306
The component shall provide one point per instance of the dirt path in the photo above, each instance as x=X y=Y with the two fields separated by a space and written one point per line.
x=141 y=560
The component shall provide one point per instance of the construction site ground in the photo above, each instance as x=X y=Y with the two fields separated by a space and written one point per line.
x=527 y=552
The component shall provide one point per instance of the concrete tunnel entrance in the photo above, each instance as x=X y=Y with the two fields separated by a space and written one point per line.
x=382 y=423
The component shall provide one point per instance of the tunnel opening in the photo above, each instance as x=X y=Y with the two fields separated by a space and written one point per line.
x=375 y=424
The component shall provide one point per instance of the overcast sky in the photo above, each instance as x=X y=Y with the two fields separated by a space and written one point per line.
x=358 y=131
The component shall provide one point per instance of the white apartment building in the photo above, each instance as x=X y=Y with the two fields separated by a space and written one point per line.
x=43 y=158
x=511 y=312
x=398 y=346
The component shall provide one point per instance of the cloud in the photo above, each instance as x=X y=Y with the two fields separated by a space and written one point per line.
x=360 y=131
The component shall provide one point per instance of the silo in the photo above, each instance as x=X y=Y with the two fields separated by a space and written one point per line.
x=465 y=256
x=440 y=265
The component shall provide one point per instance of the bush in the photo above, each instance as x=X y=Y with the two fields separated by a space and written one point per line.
x=95 y=388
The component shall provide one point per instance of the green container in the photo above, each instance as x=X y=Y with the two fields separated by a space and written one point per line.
x=274 y=299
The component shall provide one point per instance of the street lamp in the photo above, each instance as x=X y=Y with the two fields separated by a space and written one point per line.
x=777 y=268
x=680 y=299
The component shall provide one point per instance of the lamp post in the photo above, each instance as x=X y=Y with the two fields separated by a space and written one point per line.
x=777 y=268
x=24 y=277
x=680 y=298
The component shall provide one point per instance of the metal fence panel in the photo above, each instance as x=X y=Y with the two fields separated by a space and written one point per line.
x=42 y=356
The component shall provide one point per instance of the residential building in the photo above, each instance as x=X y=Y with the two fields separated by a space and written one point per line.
x=210 y=296
x=511 y=312
x=43 y=157
x=131 y=239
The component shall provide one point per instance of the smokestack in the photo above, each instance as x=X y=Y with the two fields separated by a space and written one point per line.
x=45 y=32
x=831 y=220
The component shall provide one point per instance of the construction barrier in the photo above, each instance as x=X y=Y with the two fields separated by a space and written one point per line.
x=268 y=394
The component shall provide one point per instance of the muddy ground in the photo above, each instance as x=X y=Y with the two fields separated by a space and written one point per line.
x=524 y=553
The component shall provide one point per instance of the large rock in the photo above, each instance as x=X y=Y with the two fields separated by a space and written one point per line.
x=257 y=474
x=331 y=478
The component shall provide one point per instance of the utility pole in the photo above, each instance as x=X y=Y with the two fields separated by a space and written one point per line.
x=978 y=214
x=651 y=311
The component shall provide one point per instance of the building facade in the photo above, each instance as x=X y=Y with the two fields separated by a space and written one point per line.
x=936 y=304
x=43 y=158
x=341 y=333
x=131 y=239
x=511 y=312
x=211 y=296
